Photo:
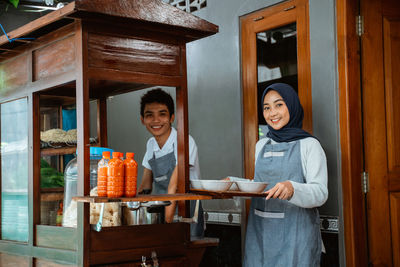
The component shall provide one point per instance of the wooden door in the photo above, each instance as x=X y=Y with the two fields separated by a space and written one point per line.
x=380 y=64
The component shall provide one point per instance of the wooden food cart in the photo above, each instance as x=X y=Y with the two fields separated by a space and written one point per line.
x=90 y=50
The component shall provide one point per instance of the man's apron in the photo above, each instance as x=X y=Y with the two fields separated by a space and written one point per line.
x=162 y=169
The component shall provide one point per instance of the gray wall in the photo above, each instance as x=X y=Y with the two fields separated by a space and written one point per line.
x=215 y=114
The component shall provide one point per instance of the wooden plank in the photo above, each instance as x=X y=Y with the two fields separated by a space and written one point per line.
x=133 y=77
x=148 y=11
x=204 y=242
x=52 y=190
x=142 y=198
x=132 y=257
x=304 y=62
x=391 y=36
x=8 y=260
x=395 y=226
x=54 y=59
x=47 y=263
x=375 y=138
x=38 y=23
x=15 y=248
x=227 y=194
x=34 y=181
x=165 y=262
x=61 y=81
x=132 y=29
x=182 y=124
x=53 y=254
x=44 y=39
x=56 y=237
x=351 y=134
x=83 y=129
x=138 y=236
x=51 y=196
x=129 y=54
x=13 y=74
x=58 y=151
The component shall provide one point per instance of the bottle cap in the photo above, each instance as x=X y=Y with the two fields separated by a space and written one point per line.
x=115 y=155
x=106 y=154
x=130 y=155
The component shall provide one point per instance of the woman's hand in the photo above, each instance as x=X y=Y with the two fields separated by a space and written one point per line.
x=282 y=190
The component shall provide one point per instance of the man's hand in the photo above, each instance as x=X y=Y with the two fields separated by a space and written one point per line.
x=282 y=190
x=173 y=185
x=147 y=180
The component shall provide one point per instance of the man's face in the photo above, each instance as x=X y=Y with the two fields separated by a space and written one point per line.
x=157 y=119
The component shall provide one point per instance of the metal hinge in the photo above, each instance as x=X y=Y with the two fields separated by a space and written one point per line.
x=360 y=25
x=365 y=182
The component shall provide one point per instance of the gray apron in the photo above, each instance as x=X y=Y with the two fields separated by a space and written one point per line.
x=278 y=232
x=162 y=169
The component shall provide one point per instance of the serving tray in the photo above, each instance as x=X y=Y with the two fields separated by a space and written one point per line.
x=226 y=194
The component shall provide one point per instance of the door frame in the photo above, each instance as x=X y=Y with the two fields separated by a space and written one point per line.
x=351 y=133
x=274 y=16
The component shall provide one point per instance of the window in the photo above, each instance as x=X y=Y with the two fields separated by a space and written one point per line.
x=14 y=170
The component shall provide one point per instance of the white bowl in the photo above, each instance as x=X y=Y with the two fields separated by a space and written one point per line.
x=251 y=187
x=196 y=184
x=216 y=185
x=233 y=187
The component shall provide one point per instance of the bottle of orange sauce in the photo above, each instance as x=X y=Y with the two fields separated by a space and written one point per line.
x=130 y=167
x=102 y=173
x=115 y=179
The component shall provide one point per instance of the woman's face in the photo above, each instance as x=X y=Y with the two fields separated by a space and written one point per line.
x=275 y=111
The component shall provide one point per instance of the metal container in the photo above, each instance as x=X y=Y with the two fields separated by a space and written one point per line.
x=136 y=213
x=130 y=213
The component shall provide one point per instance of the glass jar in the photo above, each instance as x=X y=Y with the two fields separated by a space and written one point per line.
x=71 y=184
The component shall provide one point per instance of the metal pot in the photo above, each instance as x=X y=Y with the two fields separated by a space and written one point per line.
x=153 y=212
x=136 y=213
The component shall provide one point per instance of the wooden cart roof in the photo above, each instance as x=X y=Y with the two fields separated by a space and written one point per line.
x=154 y=15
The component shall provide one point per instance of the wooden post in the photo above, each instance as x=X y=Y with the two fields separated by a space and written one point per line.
x=83 y=156
x=183 y=134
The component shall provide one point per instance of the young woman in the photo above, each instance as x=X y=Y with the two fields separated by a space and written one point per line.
x=283 y=229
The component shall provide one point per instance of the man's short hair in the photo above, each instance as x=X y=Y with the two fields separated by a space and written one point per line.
x=157 y=96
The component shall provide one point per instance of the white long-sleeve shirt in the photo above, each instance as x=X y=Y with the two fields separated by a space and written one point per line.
x=314 y=192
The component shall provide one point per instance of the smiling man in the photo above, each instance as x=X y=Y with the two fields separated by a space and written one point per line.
x=160 y=161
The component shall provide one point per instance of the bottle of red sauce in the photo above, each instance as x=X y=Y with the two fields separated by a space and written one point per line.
x=130 y=167
x=115 y=179
x=102 y=173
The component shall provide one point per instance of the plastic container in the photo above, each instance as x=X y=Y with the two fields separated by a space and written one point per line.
x=130 y=167
x=102 y=172
x=71 y=184
x=115 y=178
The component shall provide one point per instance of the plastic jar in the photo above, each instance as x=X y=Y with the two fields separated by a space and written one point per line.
x=71 y=184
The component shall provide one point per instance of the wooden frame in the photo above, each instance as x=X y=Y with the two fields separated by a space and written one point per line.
x=155 y=31
x=351 y=133
x=275 y=16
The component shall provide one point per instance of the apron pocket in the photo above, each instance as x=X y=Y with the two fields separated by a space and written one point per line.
x=272 y=232
x=266 y=214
